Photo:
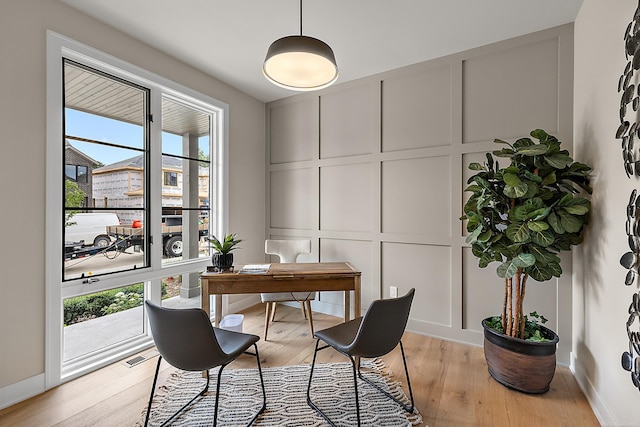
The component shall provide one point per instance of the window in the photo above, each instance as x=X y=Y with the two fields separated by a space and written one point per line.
x=106 y=118
x=135 y=182
x=76 y=173
x=81 y=174
x=171 y=179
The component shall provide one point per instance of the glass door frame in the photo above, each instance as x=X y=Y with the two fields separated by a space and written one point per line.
x=59 y=47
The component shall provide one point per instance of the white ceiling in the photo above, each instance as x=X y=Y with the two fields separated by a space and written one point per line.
x=228 y=39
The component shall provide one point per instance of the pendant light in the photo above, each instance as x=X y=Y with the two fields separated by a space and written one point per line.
x=300 y=63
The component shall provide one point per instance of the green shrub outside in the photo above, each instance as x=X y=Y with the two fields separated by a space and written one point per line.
x=86 y=307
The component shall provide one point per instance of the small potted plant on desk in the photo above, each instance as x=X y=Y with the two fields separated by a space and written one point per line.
x=522 y=217
x=222 y=258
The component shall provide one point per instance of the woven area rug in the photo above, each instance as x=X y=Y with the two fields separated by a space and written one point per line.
x=241 y=397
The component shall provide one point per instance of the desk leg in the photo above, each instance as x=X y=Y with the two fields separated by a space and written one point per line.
x=204 y=298
x=347 y=305
x=357 y=302
x=218 y=313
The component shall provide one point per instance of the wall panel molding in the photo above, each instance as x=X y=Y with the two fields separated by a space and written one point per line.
x=412 y=132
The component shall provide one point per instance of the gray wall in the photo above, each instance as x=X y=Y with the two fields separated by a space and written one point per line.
x=373 y=171
x=601 y=299
x=23 y=26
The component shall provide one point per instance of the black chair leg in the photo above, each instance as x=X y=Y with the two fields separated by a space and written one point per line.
x=355 y=386
x=355 y=382
x=215 y=411
x=408 y=408
x=309 y=402
x=153 y=387
x=264 y=393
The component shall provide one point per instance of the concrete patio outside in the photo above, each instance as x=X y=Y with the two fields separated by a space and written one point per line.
x=91 y=335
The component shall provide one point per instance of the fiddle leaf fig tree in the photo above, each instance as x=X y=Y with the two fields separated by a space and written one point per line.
x=522 y=216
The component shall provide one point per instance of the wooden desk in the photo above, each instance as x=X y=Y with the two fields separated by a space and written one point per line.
x=299 y=277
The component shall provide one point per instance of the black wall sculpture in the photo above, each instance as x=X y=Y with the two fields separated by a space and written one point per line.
x=628 y=132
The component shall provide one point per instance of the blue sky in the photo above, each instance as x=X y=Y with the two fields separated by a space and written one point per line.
x=99 y=128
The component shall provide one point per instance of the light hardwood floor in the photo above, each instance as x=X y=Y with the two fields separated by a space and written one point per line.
x=450 y=382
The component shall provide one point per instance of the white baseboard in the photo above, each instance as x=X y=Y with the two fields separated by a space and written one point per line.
x=327 y=308
x=22 y=390
x=597 y=404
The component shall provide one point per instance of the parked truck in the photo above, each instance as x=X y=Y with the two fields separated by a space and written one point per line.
x=132 y=236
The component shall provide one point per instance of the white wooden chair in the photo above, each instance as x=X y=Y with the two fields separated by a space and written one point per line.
x=287 y=251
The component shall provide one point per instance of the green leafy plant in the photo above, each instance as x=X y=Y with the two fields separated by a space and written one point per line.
x=73 y=197
x=87 y=307
x=123 y=301
x=532 y=331
x=524 y=215
x=228 y=244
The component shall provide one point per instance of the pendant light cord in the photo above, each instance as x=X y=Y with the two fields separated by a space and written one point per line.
x=301 y=17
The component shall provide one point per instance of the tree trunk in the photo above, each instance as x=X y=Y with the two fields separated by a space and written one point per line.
x=518 y=303
x=504 y=305
x=509 y=329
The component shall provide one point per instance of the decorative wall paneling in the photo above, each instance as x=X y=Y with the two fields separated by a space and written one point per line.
x=374 y=171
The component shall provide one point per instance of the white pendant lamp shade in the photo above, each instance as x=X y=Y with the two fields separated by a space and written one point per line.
x=300 y=63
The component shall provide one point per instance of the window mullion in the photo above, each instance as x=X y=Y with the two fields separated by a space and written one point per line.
x=155 y=177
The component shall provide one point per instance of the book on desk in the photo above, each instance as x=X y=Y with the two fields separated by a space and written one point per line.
x=254 y=269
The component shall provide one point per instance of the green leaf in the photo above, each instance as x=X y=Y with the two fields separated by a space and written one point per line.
x=500 y=141
x=524 y=260
x=559 y=161
x=484 y=261
x=477 y=251
x=569 y=222
x=532 y=189
x=534 y=150
x=505 y=152
x=555 y=223
x=555 y=269
x=518 y=232
x=506 y=269
x=472 y=221
x=542 y=255
x=577 y=205
x=483 y=202
x=539 y=134
x=566 y=200
x=485 y=236
x=523 y=142
x=543 y=238
x=474 y=235
x=476 y=167
x=511 y=179
x=482 y=182
x=473 y=188
x=516 y=192
x=532 y=176
x=537 y=225
x=541 y=274
x=519 y=213
x=539 y=214
x=511 y=169
x=549 y=179
x=577 y=210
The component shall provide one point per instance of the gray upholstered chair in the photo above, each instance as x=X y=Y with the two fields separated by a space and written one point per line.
x=186 y=339
x=287 y=251
x=375 y=334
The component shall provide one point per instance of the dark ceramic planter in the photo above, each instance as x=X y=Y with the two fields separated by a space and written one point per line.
x=222 y=262
x=518 y=364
